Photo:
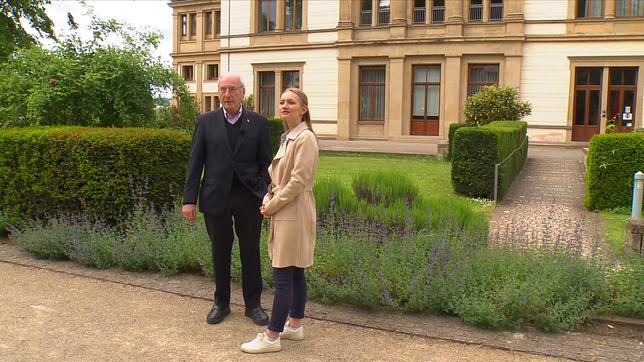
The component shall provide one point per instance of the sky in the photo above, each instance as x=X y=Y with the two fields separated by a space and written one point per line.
x=141 y=14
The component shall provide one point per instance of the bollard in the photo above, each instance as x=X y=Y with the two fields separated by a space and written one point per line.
x=638 y=188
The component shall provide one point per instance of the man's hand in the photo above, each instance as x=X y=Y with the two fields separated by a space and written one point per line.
x=189 y=212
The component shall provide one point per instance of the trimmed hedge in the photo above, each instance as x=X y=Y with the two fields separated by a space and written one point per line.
x=100 y=172
x=276 y=128
x=452 y=130
x=613 y=159
x=477 y=149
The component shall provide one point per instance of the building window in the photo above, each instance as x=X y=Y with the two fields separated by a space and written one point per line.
x=184 y=24
x=193 y=24
x=211 y=103
x=365 y=13
x=419 y=12
x=212 y=72
x=372 y=93
x=630 y=8
x=207 y=103
x=208 y=23
x=589 y=8
x=476 y=10
x=217 y=23
x=383 y=12
x=290 y=79
x=187 y=72
x=438 y=11
x=426 y=98
x=293 y=15
x=496 y=10
x=267 y=15
x=267 y=94
x=481 y=75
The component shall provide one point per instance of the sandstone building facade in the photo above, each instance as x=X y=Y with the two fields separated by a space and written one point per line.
x=401 y=70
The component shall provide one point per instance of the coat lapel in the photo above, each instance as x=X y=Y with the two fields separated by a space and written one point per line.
x=292 y=135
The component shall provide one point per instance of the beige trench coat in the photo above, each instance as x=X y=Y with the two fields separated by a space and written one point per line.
x=290 y=200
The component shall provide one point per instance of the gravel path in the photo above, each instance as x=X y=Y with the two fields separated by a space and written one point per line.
x=47 y=315
x=545 y=204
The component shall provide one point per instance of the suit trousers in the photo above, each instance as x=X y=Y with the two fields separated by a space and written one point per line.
x=242 y=214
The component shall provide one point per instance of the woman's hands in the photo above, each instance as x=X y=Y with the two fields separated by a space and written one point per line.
x=262 y=210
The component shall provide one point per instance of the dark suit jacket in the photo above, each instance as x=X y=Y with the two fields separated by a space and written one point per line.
x=212 y=154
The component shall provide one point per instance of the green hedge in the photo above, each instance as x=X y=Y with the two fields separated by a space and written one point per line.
x=477 y=149
x=100 y=172
x=452 y=130
x=276 y=128
x=613 y=159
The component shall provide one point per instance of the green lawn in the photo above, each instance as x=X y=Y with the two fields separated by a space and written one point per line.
x=431 y=176
x=616 y=224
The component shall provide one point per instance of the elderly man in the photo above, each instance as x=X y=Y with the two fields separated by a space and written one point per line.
x=231 y=147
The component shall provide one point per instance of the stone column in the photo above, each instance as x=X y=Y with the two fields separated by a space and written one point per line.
x=452 y=91
x=395 y=98
x=609 y=9
x=398 y=18
x=344 y=99
x=345 y=24
x=513 y=9
x=454 y=16
x=512 y=72
x=280 y=17
x=345 y=14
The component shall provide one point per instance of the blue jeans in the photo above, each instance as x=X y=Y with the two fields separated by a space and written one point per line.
x=290 y=296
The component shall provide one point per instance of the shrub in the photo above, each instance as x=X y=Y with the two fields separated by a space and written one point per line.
x=452 y=130
x=276 y=128
x=103 y=172
x=384 y=187
x=493 y=103
x=613 y=159
x=506 y=288
x=478 y=149
x=4 y=224
x=626 y=287
x=68 y=237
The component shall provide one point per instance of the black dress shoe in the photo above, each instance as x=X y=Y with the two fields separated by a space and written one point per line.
x=217 y=314
x=258 y=315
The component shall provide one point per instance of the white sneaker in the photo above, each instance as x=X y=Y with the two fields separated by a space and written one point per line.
x=293 y=334
x=261 y=344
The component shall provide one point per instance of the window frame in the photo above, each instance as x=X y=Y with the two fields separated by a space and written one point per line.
x=184 y=67
x=297 y=23
x=470 y=67
x=284 y=86
x=372 y=108
x=262 y=87
x=268 y=18
x=588 y=11
x=207 y=77
x=630 y=9
x=208 y=17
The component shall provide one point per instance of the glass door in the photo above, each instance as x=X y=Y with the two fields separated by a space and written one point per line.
x=587 y=103
x=622 y=92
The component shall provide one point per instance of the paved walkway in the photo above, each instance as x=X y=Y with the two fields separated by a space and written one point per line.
x=56 y=293
x=545 y=204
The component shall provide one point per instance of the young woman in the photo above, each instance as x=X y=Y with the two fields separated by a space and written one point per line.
x=291 y=207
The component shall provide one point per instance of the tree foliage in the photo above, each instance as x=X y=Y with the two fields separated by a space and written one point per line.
x=12 y=34
x=110 y=80
x=495 y=103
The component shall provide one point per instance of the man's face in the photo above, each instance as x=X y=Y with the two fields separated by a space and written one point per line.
x=231 y=93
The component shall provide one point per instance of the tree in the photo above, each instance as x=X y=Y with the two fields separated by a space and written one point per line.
x=12 y=34
x=92 y=83
x=495 y=103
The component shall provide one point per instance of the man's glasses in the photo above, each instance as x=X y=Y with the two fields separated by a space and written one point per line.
x=228 y=89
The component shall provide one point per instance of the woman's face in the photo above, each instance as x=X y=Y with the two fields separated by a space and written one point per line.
x=291 y=108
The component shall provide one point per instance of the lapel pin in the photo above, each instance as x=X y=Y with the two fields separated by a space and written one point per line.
x=248 y=121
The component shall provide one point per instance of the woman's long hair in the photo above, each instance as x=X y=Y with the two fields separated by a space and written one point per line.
x=306 y=117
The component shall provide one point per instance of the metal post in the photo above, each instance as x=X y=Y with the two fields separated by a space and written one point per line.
x=638 y=189
x=496 y=180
